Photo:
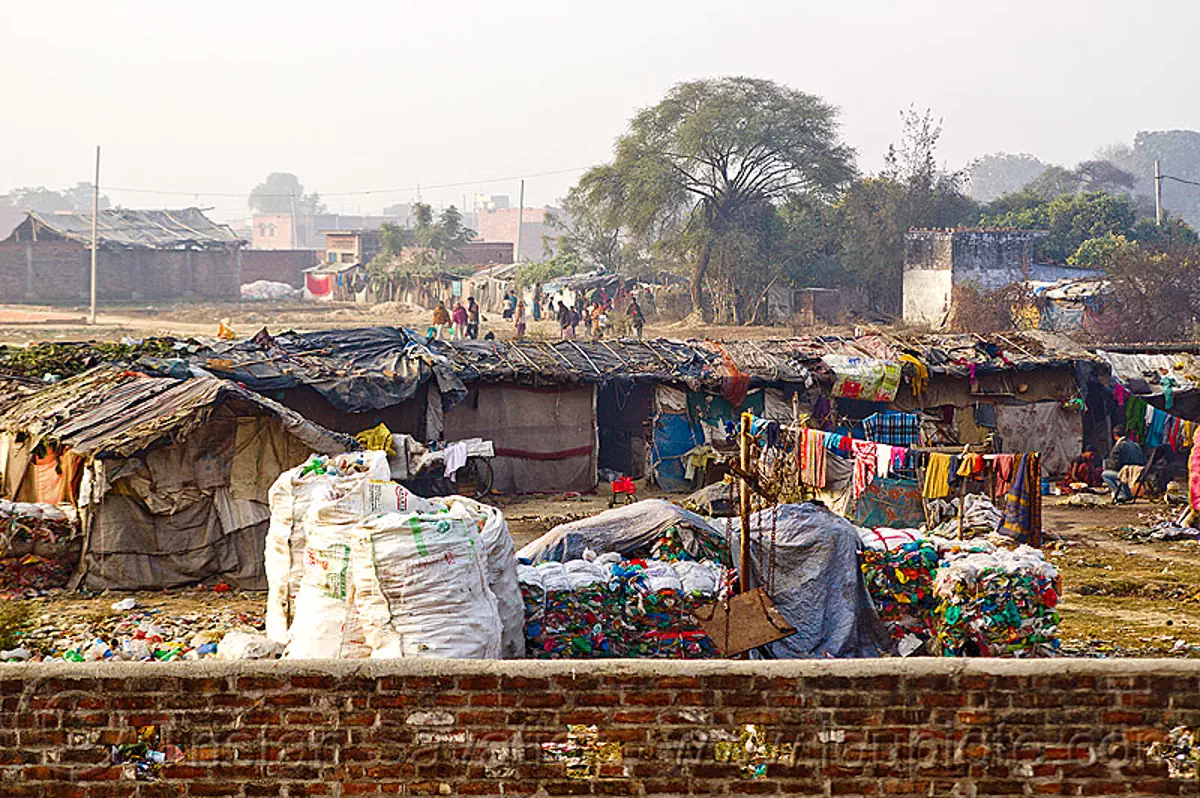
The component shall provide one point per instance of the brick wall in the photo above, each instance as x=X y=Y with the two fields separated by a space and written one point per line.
x=278 y=265
x=919 y=728
x=61 y=273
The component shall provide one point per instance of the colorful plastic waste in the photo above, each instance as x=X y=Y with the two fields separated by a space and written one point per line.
x=997 y=604
x=39 y=547
x=145 y=759
x=610 y=607
x=900 y=581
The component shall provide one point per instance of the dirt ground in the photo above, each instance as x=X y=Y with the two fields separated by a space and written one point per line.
x=20 y=324
x=1121 y=596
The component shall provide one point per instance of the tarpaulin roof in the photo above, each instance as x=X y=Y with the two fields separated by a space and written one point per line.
x=695 y=363
x=185 y=228
x=111 y=412
x=356 y=371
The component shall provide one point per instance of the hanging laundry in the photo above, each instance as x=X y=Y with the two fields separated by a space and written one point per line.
x=920 y=377
x=812 y=458
x=1120 y=393
x=893 y=428
x=937 y=477
x=883 y=461
x=971 y=466
x=1023 y=503
x=864 y=465
x=1135 y=418
x=1004 y=465
x=1156 y=422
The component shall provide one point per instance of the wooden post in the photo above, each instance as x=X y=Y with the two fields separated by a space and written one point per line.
x=744 y=506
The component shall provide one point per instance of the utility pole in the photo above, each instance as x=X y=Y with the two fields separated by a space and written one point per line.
x=1157 y=194
x=95 y=213
x=520 y=222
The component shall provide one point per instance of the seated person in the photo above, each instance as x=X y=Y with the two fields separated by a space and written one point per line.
x=1124 y=452
x=1085 y=469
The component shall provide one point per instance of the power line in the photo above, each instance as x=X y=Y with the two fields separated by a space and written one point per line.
x=1179 y=180
x=363 y=192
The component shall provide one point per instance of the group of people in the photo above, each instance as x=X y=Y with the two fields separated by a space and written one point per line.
x=593 y=314
x=1090 y=471
x=464 y=320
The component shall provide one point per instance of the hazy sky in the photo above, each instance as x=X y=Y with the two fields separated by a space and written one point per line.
x=207 y=98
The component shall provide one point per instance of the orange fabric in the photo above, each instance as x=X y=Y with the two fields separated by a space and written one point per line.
x=49 y=484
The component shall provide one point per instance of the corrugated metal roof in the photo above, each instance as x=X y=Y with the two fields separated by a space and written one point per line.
x=185 y=228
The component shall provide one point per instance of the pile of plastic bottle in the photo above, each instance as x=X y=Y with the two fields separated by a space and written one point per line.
x=998 y=604
x=609 y=607
x=900 y=581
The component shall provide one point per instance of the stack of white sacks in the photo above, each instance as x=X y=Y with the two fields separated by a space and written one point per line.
x=357 y=566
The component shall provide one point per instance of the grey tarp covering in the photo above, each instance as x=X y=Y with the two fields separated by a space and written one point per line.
x=627 y=530
x=357 y=370
x=819 y=586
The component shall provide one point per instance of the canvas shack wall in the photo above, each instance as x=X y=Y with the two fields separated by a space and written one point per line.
x=545 y=438
x=1049 y=428
x=189 y=512
x=54 y=269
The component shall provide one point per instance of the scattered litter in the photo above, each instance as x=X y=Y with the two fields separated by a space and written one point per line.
x=1179 y=752
x=124 y=605
x=145 y=759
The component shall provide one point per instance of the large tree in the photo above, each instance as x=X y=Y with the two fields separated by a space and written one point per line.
x=877 y=212
x=278 y=192
x=1001 y=173
x=693 y=167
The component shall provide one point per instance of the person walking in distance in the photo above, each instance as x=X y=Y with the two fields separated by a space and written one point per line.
x=460 y=320
x=472 y=318
x=635 y=316
x=441 y=319
x=519 y=318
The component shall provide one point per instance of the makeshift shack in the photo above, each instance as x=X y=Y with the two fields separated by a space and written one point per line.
x=170 y=475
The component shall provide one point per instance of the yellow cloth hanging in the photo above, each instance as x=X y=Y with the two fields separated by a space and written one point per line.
x=970 y=466
x=937 y=477
x=920 y=374
x=377 y=439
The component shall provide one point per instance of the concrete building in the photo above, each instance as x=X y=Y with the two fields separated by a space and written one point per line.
x=160 y=254
x=501 y=224
x=935 y=261
x=351 y=246
x=274 y=230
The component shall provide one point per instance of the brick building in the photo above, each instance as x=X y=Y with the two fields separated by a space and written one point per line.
x=501 y=224
x=161 y=254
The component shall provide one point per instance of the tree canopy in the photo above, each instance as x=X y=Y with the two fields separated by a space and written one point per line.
x=1001 y=173
x=276 y=193
x=1069 y=219
x=692 y=168
x=77 y=199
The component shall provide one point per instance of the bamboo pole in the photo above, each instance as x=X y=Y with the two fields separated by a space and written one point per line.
x=744 y=507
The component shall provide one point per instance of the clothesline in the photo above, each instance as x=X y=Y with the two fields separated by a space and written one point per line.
x=1146 y=424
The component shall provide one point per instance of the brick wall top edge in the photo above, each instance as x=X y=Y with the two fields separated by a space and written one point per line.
x=430 y=667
